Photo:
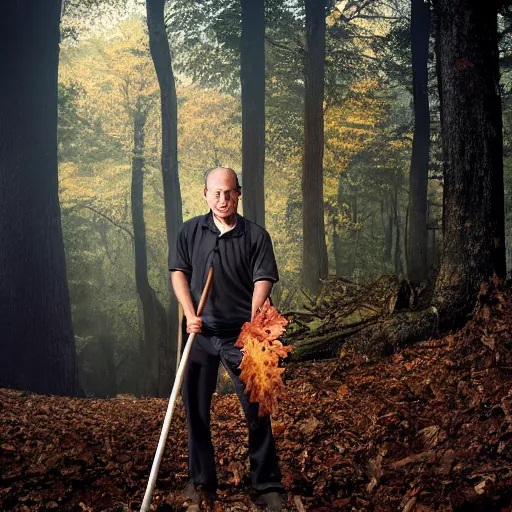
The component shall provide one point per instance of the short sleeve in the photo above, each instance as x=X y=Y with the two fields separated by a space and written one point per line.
x=263 y=261
x=179 y=257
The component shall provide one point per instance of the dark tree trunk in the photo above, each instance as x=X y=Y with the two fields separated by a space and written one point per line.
x=252 y=78
x=337 y=248
x=155 y=321
x=473 y=246
x=161 y=55
x=336 y=231
x=399 y=269
x=356 y=234
x=389 y=238
x=315 y=264
x=37 y=349
x=418 y=176
x=106 y=344
x=107 y=349
x=387 y=228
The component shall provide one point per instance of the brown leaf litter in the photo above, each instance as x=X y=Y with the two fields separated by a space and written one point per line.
x=427 y=429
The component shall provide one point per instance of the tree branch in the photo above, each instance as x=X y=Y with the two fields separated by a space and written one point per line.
x=282 y=46
x=120 y=226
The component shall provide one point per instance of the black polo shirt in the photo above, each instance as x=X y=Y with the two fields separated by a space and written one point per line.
x=240 y=257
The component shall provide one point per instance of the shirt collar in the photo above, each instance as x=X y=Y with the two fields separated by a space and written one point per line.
x=240 y=228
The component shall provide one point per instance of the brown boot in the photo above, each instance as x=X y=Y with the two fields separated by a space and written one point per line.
x=272 y=500
x=196 y=498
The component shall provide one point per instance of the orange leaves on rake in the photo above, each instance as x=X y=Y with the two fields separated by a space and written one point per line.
x=261 y=352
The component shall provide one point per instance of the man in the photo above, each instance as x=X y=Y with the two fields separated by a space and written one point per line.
x=244 y=270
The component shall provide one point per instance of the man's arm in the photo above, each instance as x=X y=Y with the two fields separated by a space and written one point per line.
x=182 y=290
x=261 y=292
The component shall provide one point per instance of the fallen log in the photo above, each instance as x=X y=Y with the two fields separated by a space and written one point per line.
x=392 y=334
x=375 y=319
x=324 y=346
x=343 y=309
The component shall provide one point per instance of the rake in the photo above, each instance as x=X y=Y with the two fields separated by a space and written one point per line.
x=172 y=402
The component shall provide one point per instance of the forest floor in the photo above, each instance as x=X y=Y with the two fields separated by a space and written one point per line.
x=429 y=428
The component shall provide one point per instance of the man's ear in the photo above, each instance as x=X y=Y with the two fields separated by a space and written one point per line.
x=204 y=192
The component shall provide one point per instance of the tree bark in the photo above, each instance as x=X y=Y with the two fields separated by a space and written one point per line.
x=337 y=242
x=252 y=79
x=37 y=351
x=337 y=248
x=399 y=269
x=161 y=55
x=418 y=175
x=107 y=351
x=315 y=263
x=473 y=247
x=155 y=320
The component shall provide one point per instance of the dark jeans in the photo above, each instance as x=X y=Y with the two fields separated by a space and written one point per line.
x=199 y=384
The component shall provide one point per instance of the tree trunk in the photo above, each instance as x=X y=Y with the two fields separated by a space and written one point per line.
x=399 y=269
x=315 y=264
x=337 y=248
x=356 y=234
x=161 y=55
x=107 y=351
x=389 y=238
x=418 y=176
x=336 y=231
x=387 y=228
x=473 y=247
x=155 y=321
x=37 y=351
x=252 y=78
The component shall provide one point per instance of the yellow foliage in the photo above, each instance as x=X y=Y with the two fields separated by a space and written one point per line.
x=350 y=127
x=209 y=134
x=115 y=74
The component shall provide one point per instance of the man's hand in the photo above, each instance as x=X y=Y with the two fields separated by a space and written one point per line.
x=194 y=324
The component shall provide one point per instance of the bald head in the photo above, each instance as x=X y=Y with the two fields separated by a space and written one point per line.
x=222 y=192
x=223 y=173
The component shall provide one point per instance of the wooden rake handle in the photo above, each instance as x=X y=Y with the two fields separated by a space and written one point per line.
x=172 y=402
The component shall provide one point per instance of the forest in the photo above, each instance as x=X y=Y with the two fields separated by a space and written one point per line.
x=373 y=141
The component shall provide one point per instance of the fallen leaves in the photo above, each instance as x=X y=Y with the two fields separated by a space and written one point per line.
x=81 y=454
x=416 y=458
x=429 y=429
x=261 y=352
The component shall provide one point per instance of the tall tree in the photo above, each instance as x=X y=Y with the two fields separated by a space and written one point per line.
x=37 y=351
x=155 y=319
x=315 y=263
x=252 y=78
x=418 y=175
x=473 y=203
x=161 y=55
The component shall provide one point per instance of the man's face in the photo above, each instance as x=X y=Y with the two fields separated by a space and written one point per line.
x=221 y=194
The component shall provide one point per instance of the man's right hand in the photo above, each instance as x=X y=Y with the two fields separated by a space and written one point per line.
x=194 y=324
